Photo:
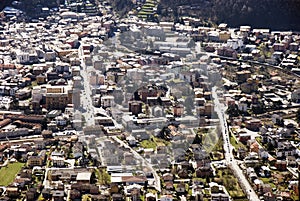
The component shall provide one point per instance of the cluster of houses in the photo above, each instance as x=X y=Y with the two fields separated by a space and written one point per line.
x=151 y=85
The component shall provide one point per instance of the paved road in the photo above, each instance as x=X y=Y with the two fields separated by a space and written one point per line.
x=145 y=162
x=220 y=109
x=86 y=95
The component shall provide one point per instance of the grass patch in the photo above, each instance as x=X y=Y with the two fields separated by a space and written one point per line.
x=146 y=144
x=160 y=142
x=8 y=173
x=268 y=181
x=231 y=183
x=236 y=144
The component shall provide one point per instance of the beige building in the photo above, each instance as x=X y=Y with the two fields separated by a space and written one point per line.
x=58 y=97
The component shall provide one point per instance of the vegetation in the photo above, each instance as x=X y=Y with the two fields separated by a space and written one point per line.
x=122 y=6
x=236 y=144
x=226 y=178
x=103 y=176
x=274 y=14
x=148 y=144
x=8 y=173
x=298 y=115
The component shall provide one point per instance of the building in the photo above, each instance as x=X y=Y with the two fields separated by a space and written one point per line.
x=84 y=177
x=135 y=107
x=38 y=160
x=58 y=97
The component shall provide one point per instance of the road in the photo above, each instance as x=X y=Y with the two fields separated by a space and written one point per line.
x=86 y=95
x=145 y=162
x=220 y=109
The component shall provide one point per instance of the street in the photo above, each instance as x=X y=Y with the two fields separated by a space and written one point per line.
x=145 y=162
x=220 y=109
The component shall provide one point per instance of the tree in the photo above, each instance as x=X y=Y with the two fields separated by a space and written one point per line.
x=298 y=115
x=233 y=111
x=198 y=139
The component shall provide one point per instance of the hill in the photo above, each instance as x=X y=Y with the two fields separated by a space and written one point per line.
x=274 y=14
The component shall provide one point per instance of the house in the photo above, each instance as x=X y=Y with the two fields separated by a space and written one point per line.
x=291 y=161
x=264 y=188
x=84 y=177
x=135 y=194
x=166 y=198
x=107 y=101
x=169 y=185
x=243 y=136
x=100 y=197
x=220 y=197
x=265 y=171
x=77 y=150
x=242 y=76
x=243 y=104
x=167 y=177
x=204 y=172
x=58 y=161
x=12 y=192
x=286 y=195
x=46 y=192
x=281 y=165
x=269 y=196
x=135 y=107
x=150 y=197
x=31 y=194
x=134 y=180
x=94 y=189
x=58 y=195
x=253 y=124
x=140 y=134
x=183 y=173
x=215 y=188
x=35 y=161
x=254 y=147
x=180 y=188
x=178 y=110
x=241 y=153
x=117 y=197
x=285 y=149
x=75 y=195
x=131 y=140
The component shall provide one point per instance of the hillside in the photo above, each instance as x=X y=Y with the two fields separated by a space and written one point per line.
x=4 y=3
x=274 y=14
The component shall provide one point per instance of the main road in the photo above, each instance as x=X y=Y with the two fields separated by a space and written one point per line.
x=86 y=94
x=220 y=109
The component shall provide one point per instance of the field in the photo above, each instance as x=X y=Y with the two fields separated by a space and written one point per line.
x=8 y=173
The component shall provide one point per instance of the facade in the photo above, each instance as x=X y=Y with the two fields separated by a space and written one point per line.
x=58 y=97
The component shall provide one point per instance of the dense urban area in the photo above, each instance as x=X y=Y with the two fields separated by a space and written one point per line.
x=129 y=104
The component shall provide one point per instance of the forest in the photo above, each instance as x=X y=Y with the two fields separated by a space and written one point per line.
x=273 y=14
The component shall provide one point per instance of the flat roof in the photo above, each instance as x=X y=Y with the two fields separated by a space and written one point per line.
x=84 y=176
